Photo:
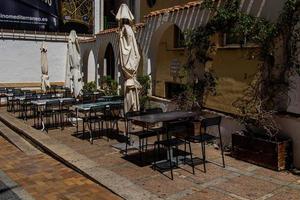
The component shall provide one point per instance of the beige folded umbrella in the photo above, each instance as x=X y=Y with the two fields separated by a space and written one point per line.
x=124 y=13
x=44 y=67
x=129 y=60
x=73 y=78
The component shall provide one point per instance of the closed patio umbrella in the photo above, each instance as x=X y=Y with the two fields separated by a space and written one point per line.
x=129 y=59
x=44 y=68
x=73 y=77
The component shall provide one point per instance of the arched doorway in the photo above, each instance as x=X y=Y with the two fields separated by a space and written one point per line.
x=109 y=62
x=91 y=74
x=84 y=69
x=167 y=58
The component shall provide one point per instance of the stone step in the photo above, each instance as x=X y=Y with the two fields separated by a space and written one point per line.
x=18 y=140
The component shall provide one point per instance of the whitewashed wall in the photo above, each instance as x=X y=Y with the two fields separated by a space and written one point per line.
x=20 y=61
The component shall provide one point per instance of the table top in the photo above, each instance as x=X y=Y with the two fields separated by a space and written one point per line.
x=20 y=98
x=163 y=117
x=9 y=94
x=42 y=102
x=88 y=106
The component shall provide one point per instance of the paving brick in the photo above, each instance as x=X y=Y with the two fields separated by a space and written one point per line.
x=286 y=193
x=239 y=180
x=283 y=176
x=208 y=194
x=247 y=187
x=45 y=178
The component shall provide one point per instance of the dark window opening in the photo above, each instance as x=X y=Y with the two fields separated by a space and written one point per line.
x=178 y=38
x=110 y=61
x=173 y=89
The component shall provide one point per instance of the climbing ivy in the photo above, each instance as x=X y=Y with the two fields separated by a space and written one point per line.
x=259 y=101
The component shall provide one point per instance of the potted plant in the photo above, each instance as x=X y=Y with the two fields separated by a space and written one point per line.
x=145 y=86
x=108 y=86
x=200 y=81
x=260 y=142
x=89 y=87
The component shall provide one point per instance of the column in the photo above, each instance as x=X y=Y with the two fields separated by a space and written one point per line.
x=149 y=71
x=98 y=15
x=137 y=10
x=105 y=67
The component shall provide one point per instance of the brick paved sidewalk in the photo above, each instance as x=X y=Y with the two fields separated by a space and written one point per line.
x=239 y=180
x=45 y=178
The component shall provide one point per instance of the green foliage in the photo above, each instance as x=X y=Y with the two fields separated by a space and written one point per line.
x=257 y=104
x=194 y=94
x=109 y=86
x=90 y=87
x=145 y=83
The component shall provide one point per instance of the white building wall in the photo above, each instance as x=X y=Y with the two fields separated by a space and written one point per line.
x=20 y=61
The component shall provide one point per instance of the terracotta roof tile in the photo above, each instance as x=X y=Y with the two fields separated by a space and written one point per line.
x=174 y=8
x=113 y=30
x=108 y=31
x=87 y=40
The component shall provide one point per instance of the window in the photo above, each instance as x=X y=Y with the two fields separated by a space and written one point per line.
x=173 y=89
x=151 y=3
x=233 y=39
x=178 y=38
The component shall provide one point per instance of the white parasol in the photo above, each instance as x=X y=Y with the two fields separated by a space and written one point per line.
x=129 y=60
x=44 y=68
x=73 y=67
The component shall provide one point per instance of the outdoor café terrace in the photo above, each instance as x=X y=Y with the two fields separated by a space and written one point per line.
x=134 y=173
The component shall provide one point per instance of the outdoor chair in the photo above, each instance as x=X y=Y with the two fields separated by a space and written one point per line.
x=98 y=95
x=170 y=141
x=117 y=98
x=26 y=106
x=87 y=98
x=112 y=115
x=100 y=99
x=67 y=93
x=158 y=128
x=207 y=136
x=94 y=118
x=46 y=96
x=51 y=114
x=12 y=104
x=142 y=134
x=9 y=91
x=65 y=111
x=3 y=91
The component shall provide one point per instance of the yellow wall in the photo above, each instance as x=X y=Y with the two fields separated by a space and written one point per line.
x=235 y=69
x=160 y=4
x=165 y=54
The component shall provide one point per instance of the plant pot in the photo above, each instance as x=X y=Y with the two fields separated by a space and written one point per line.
x=276 y=155
x=195 y=128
